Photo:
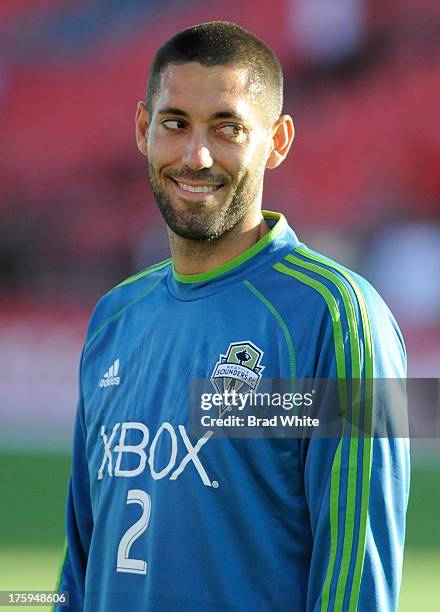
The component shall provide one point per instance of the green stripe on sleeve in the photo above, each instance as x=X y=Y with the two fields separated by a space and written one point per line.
x=341 y=374
x=348 y=305
x=361 y=301
x=352 y=483
x=366 y=459
x=334 y=313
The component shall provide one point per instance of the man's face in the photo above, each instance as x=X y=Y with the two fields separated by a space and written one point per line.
x=207 y=146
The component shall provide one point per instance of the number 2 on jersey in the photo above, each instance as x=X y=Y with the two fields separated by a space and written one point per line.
x=124 y=562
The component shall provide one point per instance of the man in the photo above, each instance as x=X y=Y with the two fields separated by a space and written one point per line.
x=158 y=519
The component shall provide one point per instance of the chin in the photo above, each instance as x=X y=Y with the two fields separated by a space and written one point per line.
x=192 y=232
x=198 y=224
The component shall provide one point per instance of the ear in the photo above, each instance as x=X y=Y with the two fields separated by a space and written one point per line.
x=142 y=120
x=283 y=134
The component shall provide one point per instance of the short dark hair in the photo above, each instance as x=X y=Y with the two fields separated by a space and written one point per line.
x=222 y=43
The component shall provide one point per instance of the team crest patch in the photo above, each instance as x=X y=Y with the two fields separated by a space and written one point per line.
x=239 y=370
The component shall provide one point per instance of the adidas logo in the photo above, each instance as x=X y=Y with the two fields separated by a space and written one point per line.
x=111 y=377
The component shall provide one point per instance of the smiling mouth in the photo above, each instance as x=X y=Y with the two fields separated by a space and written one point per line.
x=198 y=188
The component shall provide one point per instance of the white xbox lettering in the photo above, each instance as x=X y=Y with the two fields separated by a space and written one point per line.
x=121 y=447
x=157 y=471
x=172 y=459
x=107 y=451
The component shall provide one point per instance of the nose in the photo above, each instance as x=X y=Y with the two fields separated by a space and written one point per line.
x=197 y=155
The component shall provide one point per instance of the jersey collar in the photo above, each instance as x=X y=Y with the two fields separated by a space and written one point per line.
x=194 y=286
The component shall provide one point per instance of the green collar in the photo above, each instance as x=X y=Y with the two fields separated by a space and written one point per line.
x=280 y=226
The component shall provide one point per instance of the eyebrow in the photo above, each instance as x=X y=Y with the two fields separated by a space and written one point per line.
x=172 y=110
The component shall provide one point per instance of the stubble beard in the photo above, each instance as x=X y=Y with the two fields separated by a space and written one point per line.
x=202 y=223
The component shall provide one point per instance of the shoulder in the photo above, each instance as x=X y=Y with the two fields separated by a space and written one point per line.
x=348 y=303
x=335 y=285
x=125 y=295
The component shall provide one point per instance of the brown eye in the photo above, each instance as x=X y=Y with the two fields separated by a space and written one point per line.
x=173 y=124
x=232 y=130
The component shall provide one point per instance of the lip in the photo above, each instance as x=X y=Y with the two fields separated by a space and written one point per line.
x=194 y=196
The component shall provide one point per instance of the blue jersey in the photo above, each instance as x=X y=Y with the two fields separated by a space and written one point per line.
x=159 y=520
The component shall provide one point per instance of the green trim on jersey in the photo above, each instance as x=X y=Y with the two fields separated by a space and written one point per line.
x=348 y=305
x=146 y=272
x=354 y=450
x=338 y=336
x=361 y=300
x=281 y=323
x=121 y=311
x=279 y=226
x=354 y=443
x=338 y=340
x=352 y=482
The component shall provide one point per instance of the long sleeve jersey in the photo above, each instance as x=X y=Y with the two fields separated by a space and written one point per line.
x=159 y=520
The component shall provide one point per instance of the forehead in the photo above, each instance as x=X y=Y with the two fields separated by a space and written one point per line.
x=203 y=90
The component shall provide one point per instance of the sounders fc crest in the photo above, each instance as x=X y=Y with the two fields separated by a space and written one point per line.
x=239 y=370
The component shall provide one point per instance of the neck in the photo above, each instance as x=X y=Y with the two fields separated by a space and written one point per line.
x=200 y=256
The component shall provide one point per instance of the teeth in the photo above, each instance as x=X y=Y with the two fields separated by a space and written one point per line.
x=199 y=189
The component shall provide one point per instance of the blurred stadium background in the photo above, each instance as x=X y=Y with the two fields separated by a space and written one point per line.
x=362 y=184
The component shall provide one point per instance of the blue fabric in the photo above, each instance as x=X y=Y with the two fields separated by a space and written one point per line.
x=216 y=524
